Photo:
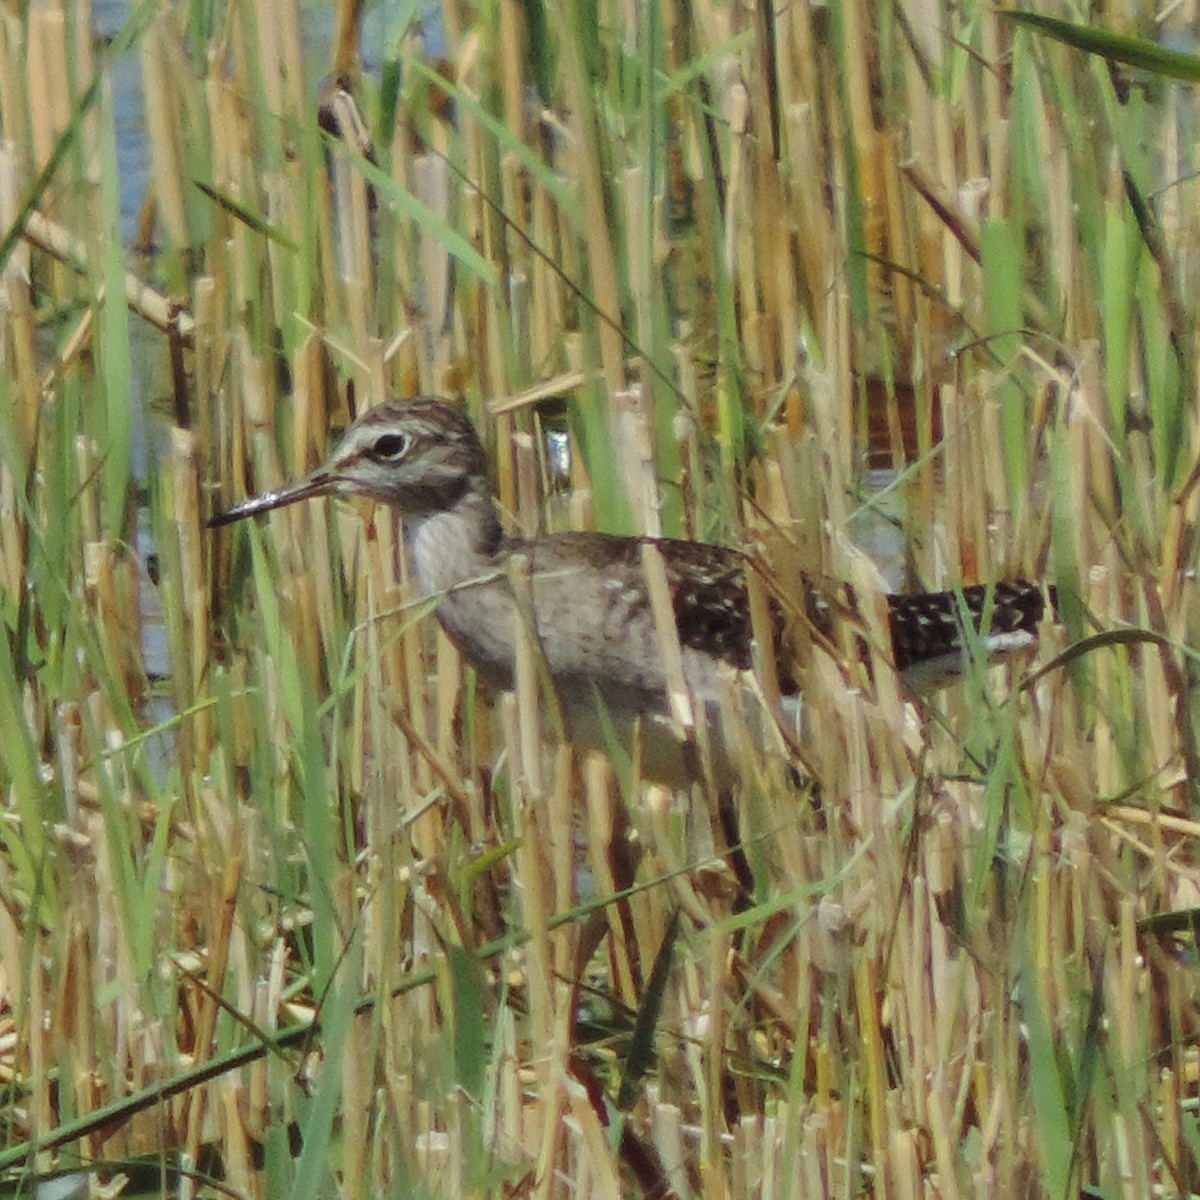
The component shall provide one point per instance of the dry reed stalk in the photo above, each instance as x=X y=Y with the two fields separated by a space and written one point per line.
x=815 y=231
x=608 y=850
x=358 y=1096
x=17 y=318
x=493 y=366
x=237 y=1152
x=709 y=1014
x=217 y=432
x=1155 y=667
x=89 y=500
x=737 y=244
x=869 y=146
x=282 y=198
x=332 y=300
x=110 y=964
x=584 y=166
x=630 y=429
x=14 y=95
x=654 y=574
x=387 y=781
x=524 y=458
x=161 y=65
x=506 y=472
x=588 y=1140
x=353 y=219
x=406 y=273
x=629 y=189
x=902 y=250
x=564 y=854
x=38 y=1052
x=503 y=1126
x=76 y=1009
x=111 y=597
x=60 y=243
x=996 y=524
x=453 y=734
x=185 y=509
x=867 y=1000
x=433 y=291
x=47 y=80
x=519 y=363
x=310 y=419
x=546 y=290
x=961 y=479
x=192 y=1111
x=255 y=1111
x=537 y=866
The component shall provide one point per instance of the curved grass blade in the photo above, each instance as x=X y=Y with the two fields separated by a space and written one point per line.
x=641 y=1050
x=1133 y=52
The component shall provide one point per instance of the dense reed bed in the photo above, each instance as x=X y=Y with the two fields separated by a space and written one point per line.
x=309 y=912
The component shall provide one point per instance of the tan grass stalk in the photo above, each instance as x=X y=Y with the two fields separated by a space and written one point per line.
x=867 y=997
x=192 y=1111
x=164 y=127
x=585 y=167
x=14 y=94
x=902 y=250
x=16 y=314
x=609 y=850
x=432 y=184
x=188 y=525
x=49 y=95
x=352 y=216
x=591 y=1145
x=556 y=385
x=211 y=419
x=546 y=289
x=165 y=314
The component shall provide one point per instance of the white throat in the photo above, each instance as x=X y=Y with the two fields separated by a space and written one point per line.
x=453 y=547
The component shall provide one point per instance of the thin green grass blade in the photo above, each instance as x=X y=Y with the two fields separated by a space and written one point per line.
x=1001 y=779
x=454 y=243
x=1002 y=258
x=246 y=216
x=641 y=1048
x=1122 y=249
x=313 y=1173
x=1053 y=1119
x=1134 y=52
x=852 y=198
x=701 y=67
x=470 y=1020
x=307 y=757
x=510 y=141
x=113 y=344
x=25 y=842
x=280 y=648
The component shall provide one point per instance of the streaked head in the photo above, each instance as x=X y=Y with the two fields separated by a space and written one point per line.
x=420 y=456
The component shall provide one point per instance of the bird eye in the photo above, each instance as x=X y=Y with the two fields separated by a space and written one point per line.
x=390 y=447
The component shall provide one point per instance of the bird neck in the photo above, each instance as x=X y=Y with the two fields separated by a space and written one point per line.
x=458 y=543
